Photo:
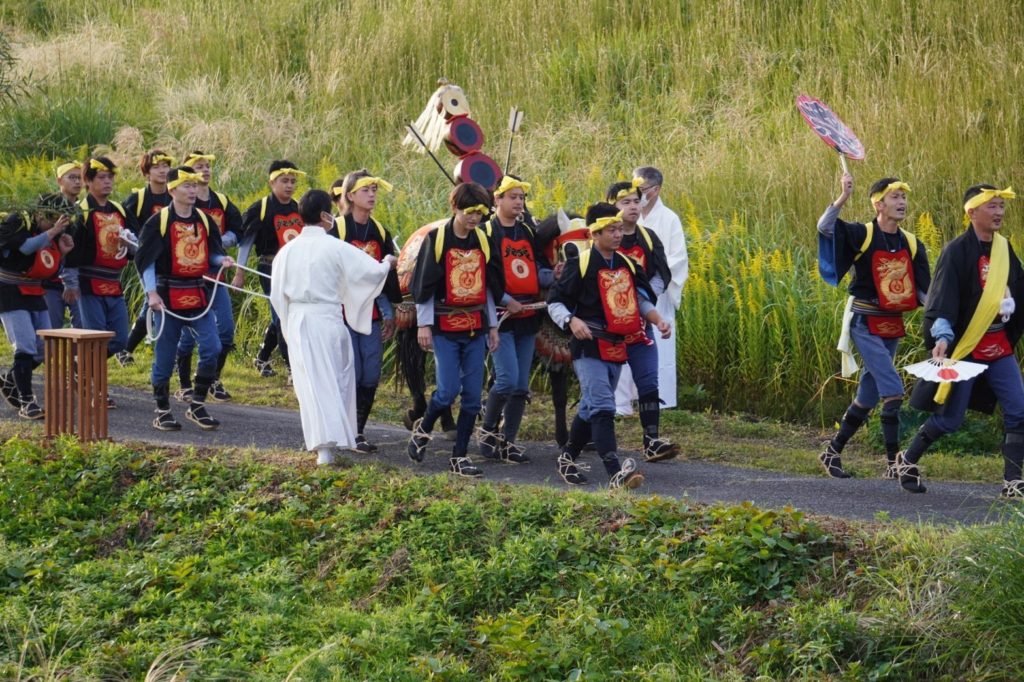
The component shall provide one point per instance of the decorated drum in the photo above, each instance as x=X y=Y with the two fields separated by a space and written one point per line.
x=410 y=250
x=463 y=136
x=478 y=168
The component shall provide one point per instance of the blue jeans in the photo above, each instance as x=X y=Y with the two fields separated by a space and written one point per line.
x=108 y=314
x=225 y=318
x=512 y=362
x=597 y=385
x=643 y=363
x=205 y=330
x=21 y=327
x=459 y=365
x=1004 y=378
x=367 y=354
x=878 y=378
x=55 y=305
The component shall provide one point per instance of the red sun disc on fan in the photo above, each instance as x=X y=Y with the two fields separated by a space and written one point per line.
x=829 y=127
x=947 y=374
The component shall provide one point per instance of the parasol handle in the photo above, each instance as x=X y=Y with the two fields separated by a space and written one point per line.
x=842 y=162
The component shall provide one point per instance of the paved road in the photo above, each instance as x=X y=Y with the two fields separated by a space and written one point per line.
x=865 y=499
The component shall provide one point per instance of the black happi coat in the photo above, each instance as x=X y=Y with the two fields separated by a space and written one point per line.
x=954 y=296
x=15 y=230
x=580 y=293
x=525 y=230
x=657 y=261
x=155 y=248
x=142 y=208
x=848 y=238
x=428 y=279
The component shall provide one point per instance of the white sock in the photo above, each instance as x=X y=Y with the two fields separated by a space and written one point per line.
x=325 y=456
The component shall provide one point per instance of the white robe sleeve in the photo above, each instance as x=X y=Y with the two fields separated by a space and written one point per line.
x=678 y=261
x=278 y=276
x=363 y=281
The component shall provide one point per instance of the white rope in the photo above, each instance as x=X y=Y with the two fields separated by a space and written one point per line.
x=151 y=338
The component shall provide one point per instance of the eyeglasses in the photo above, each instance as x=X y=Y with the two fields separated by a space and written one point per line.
x=648 y=188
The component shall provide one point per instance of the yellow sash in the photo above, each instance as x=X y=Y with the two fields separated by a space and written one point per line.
x=988 y=307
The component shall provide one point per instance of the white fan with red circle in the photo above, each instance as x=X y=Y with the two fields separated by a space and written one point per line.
x=946 y=371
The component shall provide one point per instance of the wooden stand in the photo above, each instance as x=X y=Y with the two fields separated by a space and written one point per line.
x=76 y=382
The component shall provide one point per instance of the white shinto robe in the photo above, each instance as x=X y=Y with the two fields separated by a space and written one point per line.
x=663 y=222
x=313 y=275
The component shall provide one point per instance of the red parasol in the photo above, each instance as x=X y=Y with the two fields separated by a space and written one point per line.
x=830 y=128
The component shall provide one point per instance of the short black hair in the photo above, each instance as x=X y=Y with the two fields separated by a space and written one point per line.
x=601 y=210
x=469 y=194
x=975 y=190
x=616 y=187
x=278 y=164
x=89 y=173
x=173 y=174
x=879 y=185
x=313 y=203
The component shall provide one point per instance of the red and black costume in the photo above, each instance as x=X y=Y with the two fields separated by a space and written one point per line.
x=27 y=259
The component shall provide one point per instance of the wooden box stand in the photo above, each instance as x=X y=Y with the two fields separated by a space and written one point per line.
x=76 y=382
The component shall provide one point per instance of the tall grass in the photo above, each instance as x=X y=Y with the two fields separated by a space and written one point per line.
x=702 y=89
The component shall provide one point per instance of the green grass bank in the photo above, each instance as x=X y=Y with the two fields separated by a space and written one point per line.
x=117 y=560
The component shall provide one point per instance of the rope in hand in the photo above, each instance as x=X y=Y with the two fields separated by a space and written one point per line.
x=151 y=338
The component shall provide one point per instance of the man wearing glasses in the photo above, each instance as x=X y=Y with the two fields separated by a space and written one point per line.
x=662 y=221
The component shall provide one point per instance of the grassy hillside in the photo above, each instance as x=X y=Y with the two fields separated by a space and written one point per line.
x=703 y=89
x=231 y=565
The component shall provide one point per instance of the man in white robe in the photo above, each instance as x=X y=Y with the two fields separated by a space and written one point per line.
x=660 y=219
x=314 y=275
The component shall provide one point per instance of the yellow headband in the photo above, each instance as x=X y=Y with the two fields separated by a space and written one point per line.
x=192 y=158
x=100 y=166
x=891 y=187
x=987 y=195
x=382 y=185
x=66 y=168
x=184 y=177
x=602 y=223
x=285 y=171
x=479 y=208
x=634 y=186
x=160 y=158
x=510 y=183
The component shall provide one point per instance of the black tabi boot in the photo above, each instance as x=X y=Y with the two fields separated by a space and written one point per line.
x=218 y=393
x=9 y=390
x=164 y=421
x=1013 y=457
x=364 y=403
x=514 y=410
x=656 y=449
x=183 y=363
x=488 y=437
x=890 y=419
x=21 y=376
x=560 y=398
x=906 y=461
x=262 y=360
x=830 y=458
x=135 y=336
x=196 y=412
x=460 y=464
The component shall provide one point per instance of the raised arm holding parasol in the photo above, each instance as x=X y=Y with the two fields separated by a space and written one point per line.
x=889 y=275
